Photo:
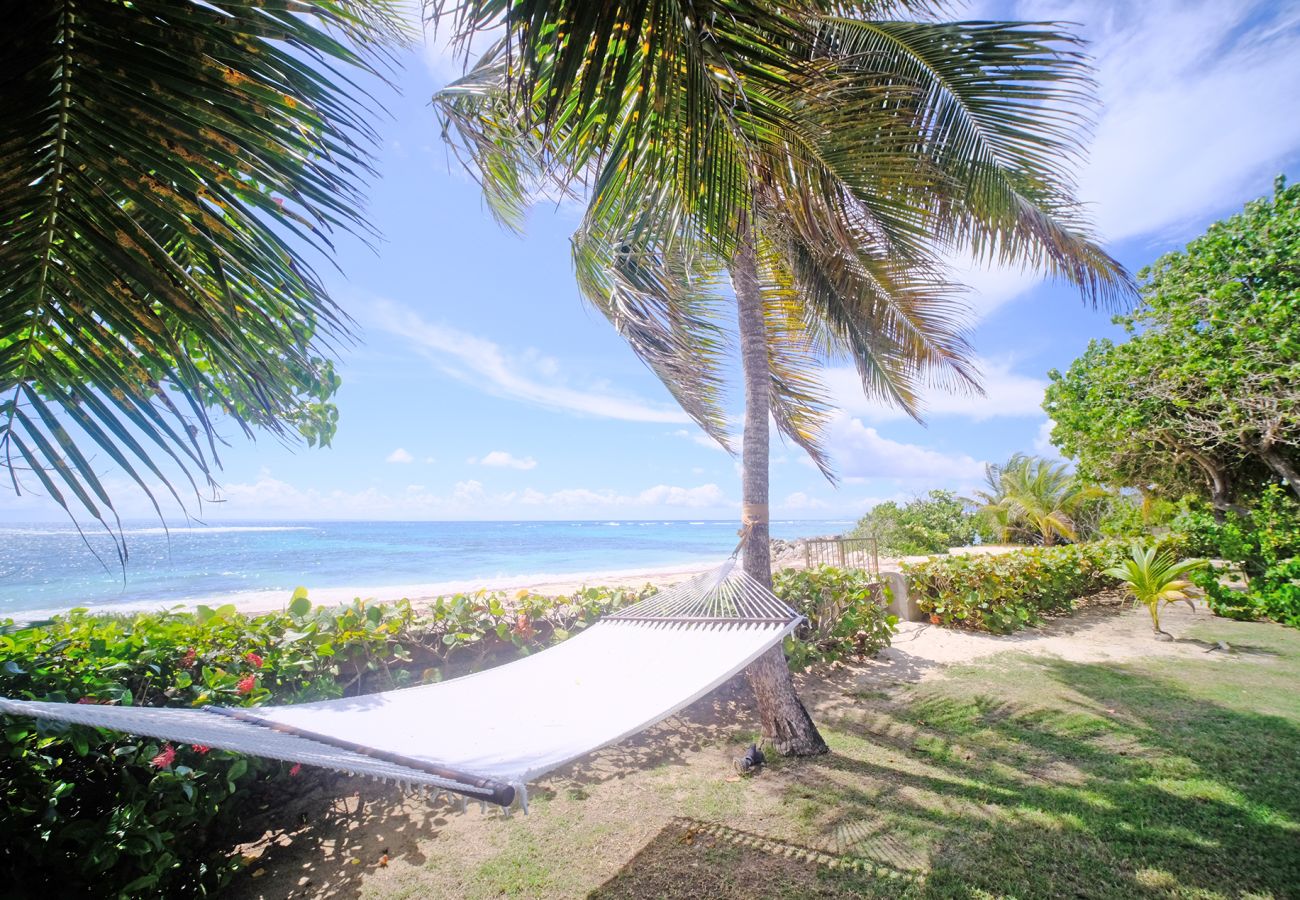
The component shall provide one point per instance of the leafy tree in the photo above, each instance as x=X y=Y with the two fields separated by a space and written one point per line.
x=824 y=156
x=929 y=524
x=163 y=166
x=1205 y=395
x=1034 y=499
x=1156 y=579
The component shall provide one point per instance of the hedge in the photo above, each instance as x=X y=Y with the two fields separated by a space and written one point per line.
x=1005 y=592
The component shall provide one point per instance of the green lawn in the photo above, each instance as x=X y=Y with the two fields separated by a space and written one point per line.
x=1020 y=776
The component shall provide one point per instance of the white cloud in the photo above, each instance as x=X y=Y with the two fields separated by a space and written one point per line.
x=269 y=497
x=399 y=456
x=1043 y=441
x=522 y=377
x=1007 y=394
x=697 y=497
x=861 y=453
x=500 y=459
x=1198 y=112
x=801 y=501
x=1200 y=107
x=429 y=460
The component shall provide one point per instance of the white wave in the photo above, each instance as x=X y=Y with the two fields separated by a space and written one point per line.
x=216 y=529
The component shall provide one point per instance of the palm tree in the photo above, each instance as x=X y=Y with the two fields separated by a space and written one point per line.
x=164 y=164
x=823 y=159
x=1034 y=497
x=1155 y=579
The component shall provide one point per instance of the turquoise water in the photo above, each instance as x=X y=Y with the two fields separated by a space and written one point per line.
x=44 y=567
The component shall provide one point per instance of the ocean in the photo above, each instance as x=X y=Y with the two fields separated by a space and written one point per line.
x=47 y=567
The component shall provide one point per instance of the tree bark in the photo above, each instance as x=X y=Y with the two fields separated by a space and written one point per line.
x=1217 y=477
x=1281 y=466
x=786 y=723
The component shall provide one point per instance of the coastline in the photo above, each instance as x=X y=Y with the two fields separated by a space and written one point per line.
x=548 y=584
x=254 y=602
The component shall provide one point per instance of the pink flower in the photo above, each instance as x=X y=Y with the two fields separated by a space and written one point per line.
x=85 y=700
x=254 y=659
x=188 y=659
x=297 y=767
x=201 y=749
x=246 y=685
x=164 y=759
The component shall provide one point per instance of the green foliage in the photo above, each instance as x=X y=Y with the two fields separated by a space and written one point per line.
x=929 y=524
x=1261 y=545
x=165 y=167
x=1033 y=500
x=842 y=157
x=1004 y=592
x=92 y=811
x=1155 y=578
x=846 y=614
x=1205 y=395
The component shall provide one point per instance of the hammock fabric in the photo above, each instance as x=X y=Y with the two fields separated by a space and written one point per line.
x=486 y=735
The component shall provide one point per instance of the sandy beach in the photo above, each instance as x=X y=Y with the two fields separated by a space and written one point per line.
x=252 y=602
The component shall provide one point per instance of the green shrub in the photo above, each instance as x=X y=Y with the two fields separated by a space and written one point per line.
x=846 y=614
x=1262 y=547
x=98 y=814
x=929 y=524
x=1005 y=592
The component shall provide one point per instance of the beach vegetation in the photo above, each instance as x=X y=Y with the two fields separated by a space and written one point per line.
x=930 y=524
x=170 y=172
x=1005 y=592
x=1203 y=398
x=1033 y=500
x=1154 y=579
x=825 y=158
x=1257 y=574
x=845 y=610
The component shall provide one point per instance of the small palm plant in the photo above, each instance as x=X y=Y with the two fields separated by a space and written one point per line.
x=1154 y=579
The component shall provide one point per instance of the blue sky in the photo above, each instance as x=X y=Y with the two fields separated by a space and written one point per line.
x=483 y=388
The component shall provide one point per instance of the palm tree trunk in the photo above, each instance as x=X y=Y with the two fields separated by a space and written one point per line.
x=786 y=723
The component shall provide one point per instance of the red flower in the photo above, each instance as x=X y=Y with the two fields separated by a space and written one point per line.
x=201 y=749
x=164 y=760
x=246 y=684
x=188 y=659
x=297 y=767
x=254 y=659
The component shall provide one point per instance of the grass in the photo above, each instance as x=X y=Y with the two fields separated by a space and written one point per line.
x=1043 y=778
x=1022 y=776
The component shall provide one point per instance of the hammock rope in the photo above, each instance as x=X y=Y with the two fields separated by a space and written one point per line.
x=485 y=735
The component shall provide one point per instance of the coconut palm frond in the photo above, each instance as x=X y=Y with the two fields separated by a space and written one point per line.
x=1000 y=109
x=666 y=305
x=162 y=165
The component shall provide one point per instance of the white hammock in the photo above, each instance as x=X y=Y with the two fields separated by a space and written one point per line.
x=486 y=735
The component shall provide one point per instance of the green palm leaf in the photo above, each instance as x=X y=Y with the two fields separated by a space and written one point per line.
x=162 y=166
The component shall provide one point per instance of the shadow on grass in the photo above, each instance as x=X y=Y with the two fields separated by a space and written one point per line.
x=1131 y=788
x=324 y=842
x=691 y=858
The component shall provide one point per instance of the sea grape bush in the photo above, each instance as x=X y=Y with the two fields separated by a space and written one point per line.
x=846 y=614
x=99 y=814
x=1262 y=546
x=1005 y=592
